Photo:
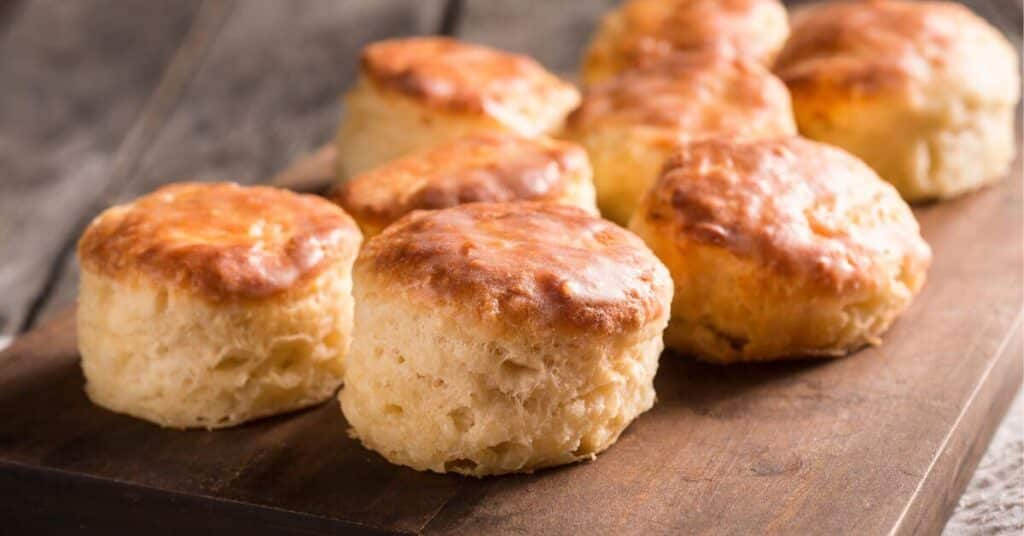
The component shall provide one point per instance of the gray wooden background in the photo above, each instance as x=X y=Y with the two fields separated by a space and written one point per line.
x=103 y=100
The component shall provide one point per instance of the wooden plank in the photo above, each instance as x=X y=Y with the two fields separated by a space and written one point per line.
x=75 y=76
x=264 y=93
x=104 y=507
x=277 y=464
x=879 y=442
x=940 y=491
x=555 y=35
x=9 y=10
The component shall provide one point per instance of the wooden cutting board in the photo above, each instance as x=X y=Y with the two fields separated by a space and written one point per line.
x=883 y=441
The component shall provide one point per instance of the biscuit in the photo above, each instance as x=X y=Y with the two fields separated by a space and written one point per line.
x=924 y=92
x=502 y=337
x=488 y=167
x=206 y=305
x=780 y=248
x=643 y=31
x=420 y=91
x=632 y=122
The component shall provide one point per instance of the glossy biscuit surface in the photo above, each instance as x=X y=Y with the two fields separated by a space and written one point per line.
x=220 y=240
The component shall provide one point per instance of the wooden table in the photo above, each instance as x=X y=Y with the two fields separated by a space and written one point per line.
x=103 y=100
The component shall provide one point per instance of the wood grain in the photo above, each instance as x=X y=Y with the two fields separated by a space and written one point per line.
x=881 y=442
x=265 y=92
x=74 y=79
x=555 y=35
x=9 y=10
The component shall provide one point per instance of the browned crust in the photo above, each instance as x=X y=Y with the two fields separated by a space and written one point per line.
x=650 y=29
x=486 y=167
x=865 y=48
x=798 y=207
x=448 y=74
x=693 y=95
x=220 y=241
x=523 y=264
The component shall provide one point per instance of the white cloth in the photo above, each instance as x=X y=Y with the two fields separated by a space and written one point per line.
x=994 y=501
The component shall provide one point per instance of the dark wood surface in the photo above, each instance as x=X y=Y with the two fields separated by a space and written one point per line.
x=74 y=80
x=106 y=99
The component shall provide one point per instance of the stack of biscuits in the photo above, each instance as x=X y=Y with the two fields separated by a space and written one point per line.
x=461 y=283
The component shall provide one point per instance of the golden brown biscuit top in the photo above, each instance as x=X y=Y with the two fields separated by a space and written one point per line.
x=463 y=77
x=477 y=168
x=797 y=206
x=536 y=264
x=692 y=95
x=874 y=46
x=652 y=28
x=220 y=240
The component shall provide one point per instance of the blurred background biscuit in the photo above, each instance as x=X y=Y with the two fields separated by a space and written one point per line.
x=630 y=123
x=780 y=248
x=642 y=31
x=486 y=167
x=206 y=305
x=420 y=91
x=924 y=92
